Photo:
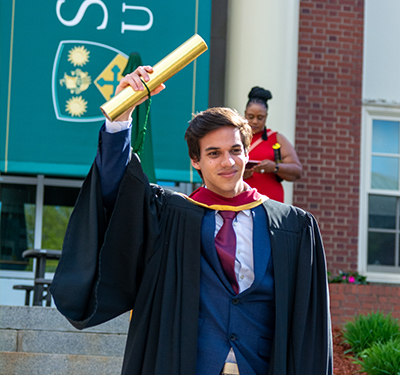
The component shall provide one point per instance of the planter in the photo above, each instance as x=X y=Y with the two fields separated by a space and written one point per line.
x=348 y=300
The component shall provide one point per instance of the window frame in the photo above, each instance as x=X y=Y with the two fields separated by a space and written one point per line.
x=40 y=181
x=371 y=112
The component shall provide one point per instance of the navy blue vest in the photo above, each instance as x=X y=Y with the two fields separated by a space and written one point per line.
x=245 y=321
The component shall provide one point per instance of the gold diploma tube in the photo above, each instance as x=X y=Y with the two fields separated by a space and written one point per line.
x=162 y=71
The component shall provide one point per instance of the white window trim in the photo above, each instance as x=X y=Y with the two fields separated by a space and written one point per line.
x=370 y=112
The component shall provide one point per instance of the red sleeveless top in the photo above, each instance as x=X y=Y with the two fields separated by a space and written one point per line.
x=265 y=183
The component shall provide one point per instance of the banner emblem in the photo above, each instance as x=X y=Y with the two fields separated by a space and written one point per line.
x=85 y=74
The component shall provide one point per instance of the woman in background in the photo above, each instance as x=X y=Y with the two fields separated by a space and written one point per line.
x=272 y=156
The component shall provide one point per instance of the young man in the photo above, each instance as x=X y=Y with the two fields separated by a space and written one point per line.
x=225 y=281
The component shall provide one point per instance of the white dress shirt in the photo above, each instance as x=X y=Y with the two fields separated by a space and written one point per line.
x=117 y=126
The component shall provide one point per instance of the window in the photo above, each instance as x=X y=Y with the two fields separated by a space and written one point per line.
x=17 y=224
x=57 y=208
x=385 y=155
x=383 y=232
x=34 y=214
x=379 y=243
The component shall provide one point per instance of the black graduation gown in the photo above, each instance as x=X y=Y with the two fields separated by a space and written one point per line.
x=145 y=256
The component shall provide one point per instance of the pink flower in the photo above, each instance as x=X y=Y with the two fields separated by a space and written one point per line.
x=352 y=279
x=344 y=277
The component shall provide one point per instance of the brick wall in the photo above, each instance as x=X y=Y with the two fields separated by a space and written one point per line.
x=329 y=122
x=350 y=300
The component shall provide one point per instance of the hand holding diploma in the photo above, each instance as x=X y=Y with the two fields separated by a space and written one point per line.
x=134 y=80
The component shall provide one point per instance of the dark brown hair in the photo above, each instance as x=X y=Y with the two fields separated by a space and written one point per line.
x=213 y=119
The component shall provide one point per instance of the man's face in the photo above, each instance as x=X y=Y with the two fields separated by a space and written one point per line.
x=222 y=161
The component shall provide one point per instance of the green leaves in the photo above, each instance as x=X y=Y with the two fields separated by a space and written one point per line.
x=381 y=358
x=375 y=340
x=366 y=330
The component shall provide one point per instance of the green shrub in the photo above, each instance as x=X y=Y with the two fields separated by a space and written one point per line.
x=381 y=359
x=367 y=330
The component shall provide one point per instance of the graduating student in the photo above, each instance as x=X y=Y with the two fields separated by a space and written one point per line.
x=225 y=281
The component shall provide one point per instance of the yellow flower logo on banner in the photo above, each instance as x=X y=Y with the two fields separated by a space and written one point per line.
x=76 y=106
x=78 y=55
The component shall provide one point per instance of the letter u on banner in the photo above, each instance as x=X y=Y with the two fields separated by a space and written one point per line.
x=125 y=26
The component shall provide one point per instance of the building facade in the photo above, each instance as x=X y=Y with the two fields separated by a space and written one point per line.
x=347 y=132
x=332 y=67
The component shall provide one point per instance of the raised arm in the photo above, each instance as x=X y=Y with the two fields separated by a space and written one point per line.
x=114 y=148
x=103 y=255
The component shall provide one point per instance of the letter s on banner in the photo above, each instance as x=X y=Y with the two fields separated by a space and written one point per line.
x=146 y=27
x=81 y=12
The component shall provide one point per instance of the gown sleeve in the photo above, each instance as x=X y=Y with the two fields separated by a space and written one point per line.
x=104 y=253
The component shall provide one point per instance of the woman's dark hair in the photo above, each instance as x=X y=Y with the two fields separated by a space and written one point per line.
x=213 y=119
x=259 y=95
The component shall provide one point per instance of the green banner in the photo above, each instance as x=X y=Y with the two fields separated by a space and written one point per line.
x=61 y=60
